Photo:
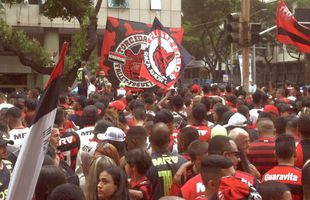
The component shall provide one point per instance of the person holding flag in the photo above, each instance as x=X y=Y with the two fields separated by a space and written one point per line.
x=164 y=58
x=31 y=156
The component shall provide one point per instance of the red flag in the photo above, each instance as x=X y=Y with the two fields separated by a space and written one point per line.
x=31 y=156
x=122 y=52
x=289 y=31
x=164 y=58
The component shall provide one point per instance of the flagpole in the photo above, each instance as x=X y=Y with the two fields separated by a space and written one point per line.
x=245 y=18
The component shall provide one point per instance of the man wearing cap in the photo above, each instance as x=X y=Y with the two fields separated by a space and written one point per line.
x=274 y=112
x=116 y=137
x=5 y=167
x=285 y=109
x=261 y=152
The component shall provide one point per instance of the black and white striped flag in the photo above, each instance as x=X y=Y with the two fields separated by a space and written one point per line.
x=31 y=156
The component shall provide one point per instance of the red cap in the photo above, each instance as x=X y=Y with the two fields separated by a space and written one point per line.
x=196 y=88
x=271 y=109
x=118 y=105
x=233 y=188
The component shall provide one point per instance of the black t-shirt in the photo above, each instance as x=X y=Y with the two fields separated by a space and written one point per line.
x=5 y=176
x=161 y=173
x=81 y=73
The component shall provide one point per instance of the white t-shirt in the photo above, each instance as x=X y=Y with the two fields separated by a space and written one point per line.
x=18 y=135
x=91 y=89
x=85 y=134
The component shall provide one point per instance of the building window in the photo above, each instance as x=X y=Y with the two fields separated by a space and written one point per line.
x=155 y=4
x=118 y=3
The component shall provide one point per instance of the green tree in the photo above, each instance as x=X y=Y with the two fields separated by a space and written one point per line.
x=32 y=54
x=204 y=37
x=203 y=22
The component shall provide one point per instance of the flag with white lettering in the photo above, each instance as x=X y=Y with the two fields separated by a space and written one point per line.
x=164 y=58
x=290 y=31
x=30 y=158
x=122 y=52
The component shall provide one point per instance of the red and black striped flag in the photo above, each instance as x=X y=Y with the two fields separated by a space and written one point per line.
x=122 y=52
x=164 y=58
x=31 y=156
x=289 y=31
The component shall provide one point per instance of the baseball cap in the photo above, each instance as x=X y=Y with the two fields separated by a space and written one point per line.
x=218 y=130
x=114 y=134
x=236 y=119
x=233 y=188
x=195 y=88
x=118 y=105
x=271 y=109
x=102 y=126
x=283 y=107
x=4 y=141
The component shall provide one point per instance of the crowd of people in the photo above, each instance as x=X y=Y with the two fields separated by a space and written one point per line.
x=209 y=142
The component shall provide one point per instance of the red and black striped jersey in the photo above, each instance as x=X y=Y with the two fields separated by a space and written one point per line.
x=142 y=185
x=262 y=154
x=289 y=175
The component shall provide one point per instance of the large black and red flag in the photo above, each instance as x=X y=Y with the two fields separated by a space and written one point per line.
x=164 y=58
x=122 y=52
x=31 y=156
x=289 y=31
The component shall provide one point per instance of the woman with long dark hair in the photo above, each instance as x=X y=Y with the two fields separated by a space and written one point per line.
x=112 y=185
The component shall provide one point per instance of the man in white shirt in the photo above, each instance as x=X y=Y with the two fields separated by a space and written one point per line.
x=3 y=102
x=17 y=131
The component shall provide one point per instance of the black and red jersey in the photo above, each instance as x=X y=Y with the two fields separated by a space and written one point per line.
x=289 y=175
x=302 y=152
x=262 y=154
x=203 y=131
x=142 y=185
x=69 y=145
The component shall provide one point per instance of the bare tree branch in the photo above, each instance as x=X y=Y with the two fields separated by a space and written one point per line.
x=26 y=60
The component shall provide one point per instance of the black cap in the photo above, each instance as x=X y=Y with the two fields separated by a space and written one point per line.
x=102 y=126
x=283 y=107
x=4 y=141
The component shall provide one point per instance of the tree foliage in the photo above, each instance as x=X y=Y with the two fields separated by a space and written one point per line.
x=29 y=51
x=203 y=22
x=32 y=54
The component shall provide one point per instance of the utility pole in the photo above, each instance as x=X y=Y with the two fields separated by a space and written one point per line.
x=245 y=18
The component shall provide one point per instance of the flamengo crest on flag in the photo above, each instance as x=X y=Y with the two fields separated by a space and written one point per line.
x=164 y=58
x=30 y=158
x=123 y=49
x=289 y=31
